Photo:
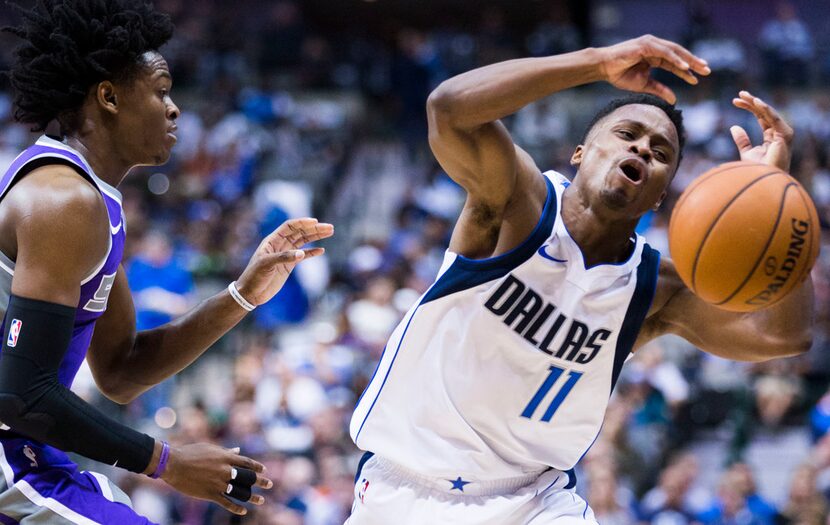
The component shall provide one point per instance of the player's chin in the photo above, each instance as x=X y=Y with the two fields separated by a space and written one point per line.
x=616 y=199
x=163 y=153
x=159 y=158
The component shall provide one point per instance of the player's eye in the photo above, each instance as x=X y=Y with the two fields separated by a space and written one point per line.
x=624 y=133
x=660 y=155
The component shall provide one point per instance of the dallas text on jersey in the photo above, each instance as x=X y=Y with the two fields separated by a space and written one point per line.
x=523 y=310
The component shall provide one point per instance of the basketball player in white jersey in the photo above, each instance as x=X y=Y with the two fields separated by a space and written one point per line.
x=496 y=382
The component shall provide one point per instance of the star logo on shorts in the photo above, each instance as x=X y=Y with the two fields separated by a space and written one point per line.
x=458 y=483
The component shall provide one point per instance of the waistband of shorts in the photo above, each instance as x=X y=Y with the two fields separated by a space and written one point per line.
x=461 y=486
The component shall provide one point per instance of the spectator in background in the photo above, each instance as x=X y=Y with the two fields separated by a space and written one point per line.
x=735 y=504
x=416 y=70
x=669 y=502
x=292 y=298
x=604 y=495
x=787 y=48
x=555 y=34
x=744 y=479
x=282 y=39
x=805 y=505
x=162 y=289
x=373 y=317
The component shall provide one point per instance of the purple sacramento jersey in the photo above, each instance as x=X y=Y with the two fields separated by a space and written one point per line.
x=39 y=482
x=96 y=287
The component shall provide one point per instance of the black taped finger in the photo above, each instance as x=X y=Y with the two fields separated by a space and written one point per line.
x=241 y=493
x=243 y=476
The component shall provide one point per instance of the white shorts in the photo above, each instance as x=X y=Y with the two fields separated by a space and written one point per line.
x=386 y=493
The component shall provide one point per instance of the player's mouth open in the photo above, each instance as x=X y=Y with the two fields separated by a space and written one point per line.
x=634 y=170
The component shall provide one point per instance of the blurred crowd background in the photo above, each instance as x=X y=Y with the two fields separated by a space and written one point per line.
x=293 y=108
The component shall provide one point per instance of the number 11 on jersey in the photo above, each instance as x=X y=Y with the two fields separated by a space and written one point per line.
x=553 y=376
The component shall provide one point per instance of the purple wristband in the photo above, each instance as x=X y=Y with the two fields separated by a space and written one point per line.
x=165 y=455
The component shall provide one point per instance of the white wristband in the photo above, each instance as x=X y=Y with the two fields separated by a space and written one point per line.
x=238 y=297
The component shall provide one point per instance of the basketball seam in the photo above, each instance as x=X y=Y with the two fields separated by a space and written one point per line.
x=766 y=246
x=698 y=184
x=807 y=205
x=715 y=222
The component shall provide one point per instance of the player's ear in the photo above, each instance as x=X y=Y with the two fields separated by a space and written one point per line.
x=106 y=96
x=576 y=158
x=660 y=200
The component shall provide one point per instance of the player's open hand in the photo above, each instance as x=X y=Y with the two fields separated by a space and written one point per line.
x=628 y=65
x=216 y=474
x=277 y=255
x=778 y=135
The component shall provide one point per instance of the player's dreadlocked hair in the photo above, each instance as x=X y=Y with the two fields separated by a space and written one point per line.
x=674 y=114
x=70 y=45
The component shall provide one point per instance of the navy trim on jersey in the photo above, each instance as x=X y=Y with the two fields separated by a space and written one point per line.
x=647 y=272
x=465 y=273
x=571 y=479
x=363 y=459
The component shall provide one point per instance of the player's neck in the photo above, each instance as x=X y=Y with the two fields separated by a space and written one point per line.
x=602 y=239
x=100 y=151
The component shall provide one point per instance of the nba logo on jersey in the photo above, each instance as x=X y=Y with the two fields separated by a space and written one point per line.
x=14 y=332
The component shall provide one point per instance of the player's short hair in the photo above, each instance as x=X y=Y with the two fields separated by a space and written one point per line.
x=674 y=114
x=71 y=45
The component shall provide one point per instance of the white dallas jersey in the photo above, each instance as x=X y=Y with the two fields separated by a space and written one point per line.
x=505 y=365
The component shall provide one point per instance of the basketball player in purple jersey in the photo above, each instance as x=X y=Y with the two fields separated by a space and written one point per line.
x=92 y=69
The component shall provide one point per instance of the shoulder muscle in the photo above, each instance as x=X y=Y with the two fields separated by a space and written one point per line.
x=61 y=228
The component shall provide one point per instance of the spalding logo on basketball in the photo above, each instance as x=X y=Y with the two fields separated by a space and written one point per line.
x=743 y=235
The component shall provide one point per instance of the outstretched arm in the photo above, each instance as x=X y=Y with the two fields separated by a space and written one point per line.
x=782 y=330
x=505 y=193
x=60 y=231
x=126 y=363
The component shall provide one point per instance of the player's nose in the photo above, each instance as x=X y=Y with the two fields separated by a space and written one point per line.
x=173 y=111
x=641 y=148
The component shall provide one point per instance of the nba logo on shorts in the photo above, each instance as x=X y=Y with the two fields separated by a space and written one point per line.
x=14 y=332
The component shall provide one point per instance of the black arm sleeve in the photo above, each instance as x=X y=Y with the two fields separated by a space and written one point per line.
x=35 y=404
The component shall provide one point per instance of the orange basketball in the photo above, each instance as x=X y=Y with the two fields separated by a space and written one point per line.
x=743 y=235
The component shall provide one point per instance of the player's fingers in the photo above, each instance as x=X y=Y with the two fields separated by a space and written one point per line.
x=263 y=482
x=229 y=505
x=664 y=57
x=773 y=118
x=671 y=67
x=761 y=109
x=322 y=230
x=741 y=138
x=659 y=89
x=238 y=492
x=316 y=233
x=300 y=222
x=246 y=462
x=768 y=117
x=243 y=476
x=696 y=64
x=297 y=232
x=286 y=257
x=302 y=230
x=748 y=105
x=293 y=227
x=313 y=252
